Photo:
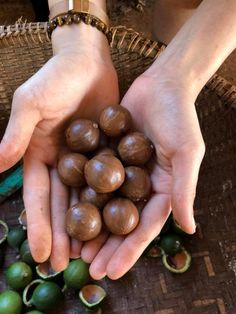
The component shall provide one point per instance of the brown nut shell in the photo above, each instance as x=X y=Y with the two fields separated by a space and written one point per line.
x=71 y=169
x=140 y=205
x=104 y=173
x=106 y=151
x=137 y=184
x=115 y=120
x=135 y=149
x=82 y=136
x=89 y=195
x=103 y=140
x=83 y=221
x=120 y=216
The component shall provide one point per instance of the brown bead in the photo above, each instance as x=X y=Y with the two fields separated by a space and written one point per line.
x=135 y=149
x=99 y=200
x=120 y=216
x=106 y=151
x=83 y=221
x=71 y=169
x=137 y=184
x=82 y=136
x=104 y=173
x=115 y=120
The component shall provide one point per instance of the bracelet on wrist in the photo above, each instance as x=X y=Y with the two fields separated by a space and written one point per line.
x=78 y=11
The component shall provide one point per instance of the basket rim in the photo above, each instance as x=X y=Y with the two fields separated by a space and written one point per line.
x=123 y=38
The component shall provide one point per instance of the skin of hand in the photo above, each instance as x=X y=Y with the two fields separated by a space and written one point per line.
x=78 y=81
x=165 y=112
x=161 y=102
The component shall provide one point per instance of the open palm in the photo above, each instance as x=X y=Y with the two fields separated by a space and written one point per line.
x=166 y=114
x=68 y=86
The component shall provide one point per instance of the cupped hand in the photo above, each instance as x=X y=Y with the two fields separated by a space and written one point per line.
x=75 y=82
x=164 y=110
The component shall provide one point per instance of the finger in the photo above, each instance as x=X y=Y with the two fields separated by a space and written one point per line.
x=91 y=248
x=37 y=203
x=75 y=245
x=22 y=122
x=186 y=165
x=99 y=265
x=60 y=240
x=75 y=248
x=152 y=219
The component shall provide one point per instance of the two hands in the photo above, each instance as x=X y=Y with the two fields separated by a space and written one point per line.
x=80 y=82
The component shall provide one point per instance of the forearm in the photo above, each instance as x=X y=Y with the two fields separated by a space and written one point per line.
x=169 y=16
x=202 y=44
x=79 y=36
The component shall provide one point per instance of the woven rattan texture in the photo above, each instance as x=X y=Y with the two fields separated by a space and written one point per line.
x=12 y=10
x=210 y=285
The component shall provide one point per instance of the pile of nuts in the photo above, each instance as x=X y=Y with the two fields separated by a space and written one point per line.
x=106 y=163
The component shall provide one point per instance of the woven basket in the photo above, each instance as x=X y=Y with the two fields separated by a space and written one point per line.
x=210 y=285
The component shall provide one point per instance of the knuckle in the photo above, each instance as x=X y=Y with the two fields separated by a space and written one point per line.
x=195 y=149
x=24 y=96
x=13 y=149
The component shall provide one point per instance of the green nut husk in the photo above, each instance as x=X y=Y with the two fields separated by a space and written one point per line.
x=154 y=251
x=34 y=312
x=178 y=263
x=166 y=226
x=3 y=231
x=45 y=271
x=27 y=290
x=176 y=228
x=171 y=243
x=76 y=274
x=18 y=275
x=92 y=295
x=25 y=253
x=44 y=296
x=23 y=219
x=10 y=302
x=16 y=237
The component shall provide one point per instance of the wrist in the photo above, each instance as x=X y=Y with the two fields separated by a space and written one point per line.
x=76 y=38
x=79 y=37
x=168 y=78
x=180 y=70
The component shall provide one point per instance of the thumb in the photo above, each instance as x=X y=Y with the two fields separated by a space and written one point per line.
x=186 y=164
x=23 y=119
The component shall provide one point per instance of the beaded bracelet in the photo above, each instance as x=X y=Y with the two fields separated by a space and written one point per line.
x=77 y=17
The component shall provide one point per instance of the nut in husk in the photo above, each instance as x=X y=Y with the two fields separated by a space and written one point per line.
x=92 y=295
x=45 y=271
x=18 y=275
x=171 y=243
x=45 y=294
x=16 y=237
x=10 y=302
x=23 y=219
x=177 y=263
x=3 y=231
x=76 y=275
